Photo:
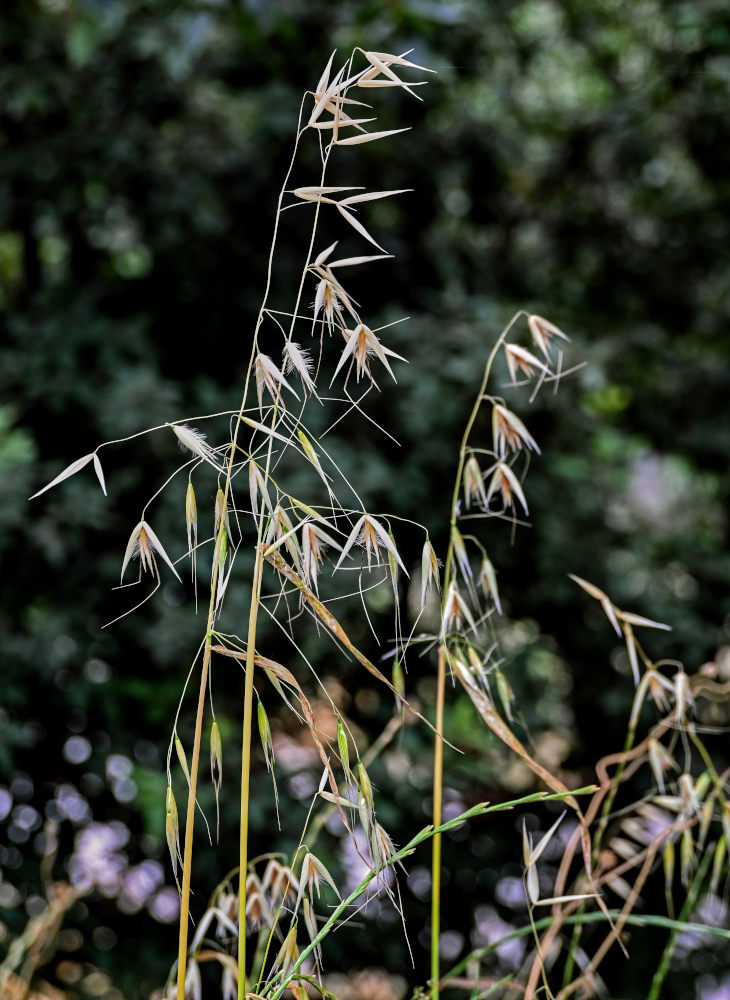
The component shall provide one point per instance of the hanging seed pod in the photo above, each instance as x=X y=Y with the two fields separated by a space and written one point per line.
x=343 y=747
x=399 y=681
x=172 y=831
x=268 y=746
x=180 y=750
x=216 y=768
x=191 y=517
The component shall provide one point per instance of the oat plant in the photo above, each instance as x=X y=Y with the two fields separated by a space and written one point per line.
x=306 y=547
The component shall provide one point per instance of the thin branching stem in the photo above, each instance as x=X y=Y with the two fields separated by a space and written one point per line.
x=441 y=674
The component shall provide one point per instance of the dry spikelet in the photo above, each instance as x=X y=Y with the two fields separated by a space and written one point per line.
x=371 y=534
x=543 y=331
x=462 y=558
x=508 y=431
x=455 y=612
x=194 y=441
x=312 y=871
x=282 y=531
x=660 y=761
x=429 y=570
x=473 y=483
x=257 y=910
x=488 y=582
x=142 y=544
x=72 y=469
x=521 y=360
x=361 y=344
x=315 y=541
x=269 y=377
x=221 y=511
x=506 y=483
x=193 y=982
x=257 y=487
x=280 y=883
x=297 y=359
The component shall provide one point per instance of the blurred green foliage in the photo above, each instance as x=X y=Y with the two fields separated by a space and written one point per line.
x=570 y=158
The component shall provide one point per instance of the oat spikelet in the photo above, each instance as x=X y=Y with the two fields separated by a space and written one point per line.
x=521 y=360
x=509 y=432
x=543 y=331
x=506 y=483
x=142 y=544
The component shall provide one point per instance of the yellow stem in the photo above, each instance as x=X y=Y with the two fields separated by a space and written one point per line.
x=189 y=823
x=246 y=769
x=438 y=770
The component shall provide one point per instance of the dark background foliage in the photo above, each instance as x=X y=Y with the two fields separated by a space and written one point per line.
x=568 y=158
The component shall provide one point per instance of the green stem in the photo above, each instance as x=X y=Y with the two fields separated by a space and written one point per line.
x=438 y=757
x=632 y=920
x=689 y=904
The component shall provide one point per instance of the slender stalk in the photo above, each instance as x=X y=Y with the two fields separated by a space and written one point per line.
x=680 y=926
x=441 y=674
x=246 y=769
x=438 y=770
x=190 y=817
x=481 y=809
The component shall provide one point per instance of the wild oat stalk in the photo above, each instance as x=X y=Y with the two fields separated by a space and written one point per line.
x=292 y=538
